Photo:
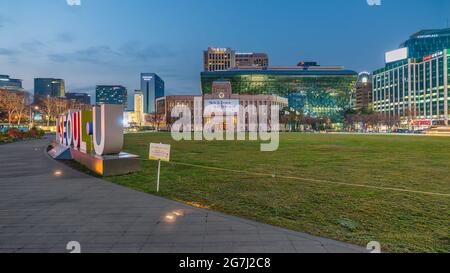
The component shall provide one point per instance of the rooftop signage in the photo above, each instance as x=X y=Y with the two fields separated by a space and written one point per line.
x=435 y=55
x=427 y=36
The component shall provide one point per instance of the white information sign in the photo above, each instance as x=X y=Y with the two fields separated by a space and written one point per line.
x=159 y=152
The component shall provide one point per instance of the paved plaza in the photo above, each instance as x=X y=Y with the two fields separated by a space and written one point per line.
x=45 y=204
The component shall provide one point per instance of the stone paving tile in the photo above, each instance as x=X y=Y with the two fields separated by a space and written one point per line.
x=42 y=213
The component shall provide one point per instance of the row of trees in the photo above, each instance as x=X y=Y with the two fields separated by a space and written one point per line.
x=17 y=107
x=52 y=107
x=295 y=121
x=364 y=118
x=354 y=120
x=14 y=104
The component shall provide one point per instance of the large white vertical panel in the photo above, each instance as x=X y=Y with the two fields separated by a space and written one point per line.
x=431 y=89
x=108 y=129
x=438 y=92
x=424 y=90
x=446 y=52
x=409 y=89
x=389 y=93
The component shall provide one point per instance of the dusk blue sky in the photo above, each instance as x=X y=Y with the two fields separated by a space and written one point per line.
x=112 y=41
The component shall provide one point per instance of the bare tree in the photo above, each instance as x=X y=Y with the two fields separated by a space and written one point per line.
x=62 y=107
x=7 y=104
x=13 y=103
x=48 y=107
x=22 y=101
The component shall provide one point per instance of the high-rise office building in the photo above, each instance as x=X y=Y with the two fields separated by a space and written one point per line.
x=219 y=59
x=413 y=85
x=152 y=88
x=137 y=117
x=44 y=87
x=10 y=84
x=222 y=59
x=111 y=94
x=252 y=60
x=82 y=98
x=427 y=42
x=138 y=101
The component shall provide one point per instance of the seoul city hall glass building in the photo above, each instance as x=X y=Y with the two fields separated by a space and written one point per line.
x=316 y=91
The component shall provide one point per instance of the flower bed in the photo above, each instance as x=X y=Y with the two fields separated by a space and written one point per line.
x=13 y=135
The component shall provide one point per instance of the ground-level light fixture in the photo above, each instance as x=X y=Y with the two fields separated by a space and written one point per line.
x=58 y=173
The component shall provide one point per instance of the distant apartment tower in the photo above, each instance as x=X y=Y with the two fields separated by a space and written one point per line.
x=82 y=98
x=138 y=101
x=111 y=94
x=363 y=91
x=138 y=116
x=152 y=88
x=44 y=87
x=252 y=60
x=10 y=84
x=219 y=59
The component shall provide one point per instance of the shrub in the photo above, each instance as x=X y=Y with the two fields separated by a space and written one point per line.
x=15 y=133
x=35 y=133
x=5 y=138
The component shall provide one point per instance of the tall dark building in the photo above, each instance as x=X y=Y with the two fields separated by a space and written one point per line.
x=111 y=94
x=82 y=98
x=44 y=87
x=363 y=91
x=152 y=86
x=11 y=84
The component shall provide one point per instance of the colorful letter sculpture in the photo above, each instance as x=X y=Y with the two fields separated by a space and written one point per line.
x=95 y=139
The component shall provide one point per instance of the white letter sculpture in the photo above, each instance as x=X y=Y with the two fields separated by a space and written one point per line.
x=108 y=129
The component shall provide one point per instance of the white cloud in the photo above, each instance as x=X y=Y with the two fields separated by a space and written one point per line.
x=73 y=2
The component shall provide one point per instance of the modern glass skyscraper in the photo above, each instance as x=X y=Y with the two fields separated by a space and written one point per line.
x=11 y=84
x=44 y=87
x=152 y=87
x=319 y=91
x=427 y=42
x=82 y=98
x=111 y=94
x=416 y=88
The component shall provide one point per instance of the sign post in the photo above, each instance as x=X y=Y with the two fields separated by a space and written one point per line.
x=159 y=174
x=159 y=152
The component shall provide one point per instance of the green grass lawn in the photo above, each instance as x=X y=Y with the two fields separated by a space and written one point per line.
x=307 y=185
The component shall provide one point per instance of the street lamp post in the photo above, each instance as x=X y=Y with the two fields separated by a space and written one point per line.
x=32 y=111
